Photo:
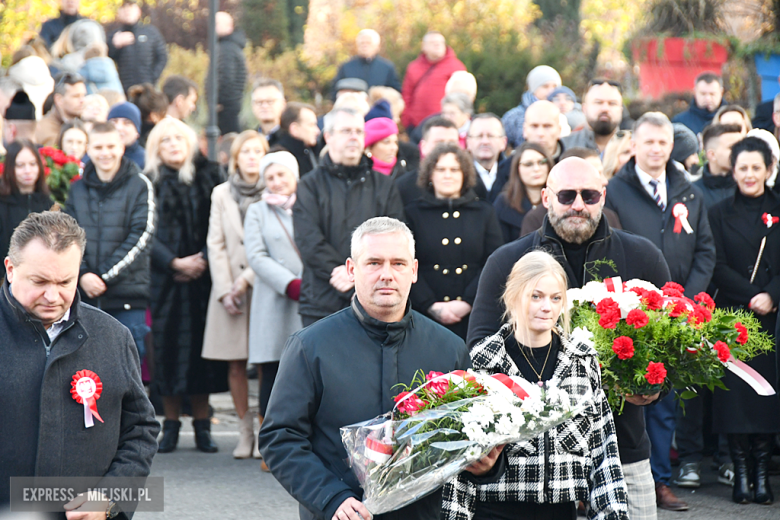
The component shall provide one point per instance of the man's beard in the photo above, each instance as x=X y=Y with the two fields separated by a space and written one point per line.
x=600 y=127
x=569 y=232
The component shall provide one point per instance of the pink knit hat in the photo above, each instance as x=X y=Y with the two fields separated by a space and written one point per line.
x=379 y=128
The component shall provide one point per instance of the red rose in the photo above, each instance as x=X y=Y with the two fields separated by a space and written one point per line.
x=75 y=178
x=652 y=300
x=46 y=151
x=637 y=318
x=672 y=289
x=411 y=405
x=656 y=373
x=679 y=309
x=743 y=333
x=623 y=347
x=439 y=387
x=704 y=299
x=724 y=352
x=46 y=170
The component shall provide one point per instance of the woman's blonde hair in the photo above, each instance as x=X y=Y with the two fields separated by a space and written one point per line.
x=238 y=142
x=612 y=151
x=170 y=125
x=525 y=274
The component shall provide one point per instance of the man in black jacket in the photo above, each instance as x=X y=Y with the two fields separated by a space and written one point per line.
x=333 y=200
x=368 y=65
x=653 y=198
x=231 y=73
x=716 y=181
x=52 y=29
x=114 y=203
x=588 y=249
x=707 y=99
x=49 y=336
x=138 y=49
x=298 y=134
x=345 y=368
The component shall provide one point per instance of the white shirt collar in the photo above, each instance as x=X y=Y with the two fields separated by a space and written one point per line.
x=57 y=326
x=488 y=177
x=645 y=179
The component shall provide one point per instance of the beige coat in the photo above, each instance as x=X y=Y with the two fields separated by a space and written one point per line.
x=226 y=336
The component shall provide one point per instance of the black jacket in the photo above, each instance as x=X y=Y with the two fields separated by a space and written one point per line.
x=333 y=200
x=454 y=238
x=511 y=220
x=119 y=220
x=343 y=370
x=409 y=155
x=52 y=28
x=231 y=70
x=144 y=60
x=633 y=257
x=42 y=429
x=306 y=156
x=376 y=72
x=695 y=118
x=690 y=257
x=13 y=209
x=715 y=188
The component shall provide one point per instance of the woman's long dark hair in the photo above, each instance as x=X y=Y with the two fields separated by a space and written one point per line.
x=8 y=184
x=515 y=192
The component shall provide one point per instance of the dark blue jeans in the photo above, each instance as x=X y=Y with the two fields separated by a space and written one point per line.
x=135 y=320
x=661 y=419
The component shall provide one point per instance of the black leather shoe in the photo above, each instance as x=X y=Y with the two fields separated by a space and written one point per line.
x=762 y=453
x=170 y=436
x=739 y=446
x=203 y=440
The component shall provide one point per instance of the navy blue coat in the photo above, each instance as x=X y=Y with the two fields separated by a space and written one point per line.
x=695 y=118
x=375 y=72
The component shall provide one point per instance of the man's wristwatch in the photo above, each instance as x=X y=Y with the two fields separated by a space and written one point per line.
x=112 y=511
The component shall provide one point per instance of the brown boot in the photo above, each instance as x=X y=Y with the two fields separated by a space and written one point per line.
x=666 y=499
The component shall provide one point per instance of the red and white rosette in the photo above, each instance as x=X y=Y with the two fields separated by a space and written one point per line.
x=769 y=220
x=85 y=388
x=680 y=213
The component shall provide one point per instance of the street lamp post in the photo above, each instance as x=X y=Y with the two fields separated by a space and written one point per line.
x=212 y=130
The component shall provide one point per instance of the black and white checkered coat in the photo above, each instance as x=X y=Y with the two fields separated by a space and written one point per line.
x=578 y=460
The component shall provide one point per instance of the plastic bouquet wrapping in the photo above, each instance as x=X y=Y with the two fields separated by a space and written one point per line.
x=441 y=424
x=648 y=338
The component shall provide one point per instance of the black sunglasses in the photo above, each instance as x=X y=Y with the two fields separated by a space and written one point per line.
x=567 y=197
x=596 y=82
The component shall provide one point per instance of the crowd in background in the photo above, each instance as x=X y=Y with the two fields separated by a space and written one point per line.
x=223 y=261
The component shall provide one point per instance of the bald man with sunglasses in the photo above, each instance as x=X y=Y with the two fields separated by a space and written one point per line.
x=588 y=249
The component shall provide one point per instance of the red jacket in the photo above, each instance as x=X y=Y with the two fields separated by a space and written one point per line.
x=423 y=86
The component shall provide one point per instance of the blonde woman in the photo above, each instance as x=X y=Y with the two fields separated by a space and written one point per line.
x=545 y=477
x=227 y=322
x=617 y=153
x=180 y=283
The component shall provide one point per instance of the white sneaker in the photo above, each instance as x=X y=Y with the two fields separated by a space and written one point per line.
x=689 y=476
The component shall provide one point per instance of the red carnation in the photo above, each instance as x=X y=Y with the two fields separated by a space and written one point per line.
x=700 y=315
x=607 y=305
x=672 y=289
x=411 y=405
x=704 y=299
x=679 y=309
x=46 y=170
x=637 y=318
x=743 y=333
x=724 y=353
x=638 y=291
x=75 y=178
x=623 y=346
x=609 y=311
x=652 y=300
x=2 y=168
x=656 y=373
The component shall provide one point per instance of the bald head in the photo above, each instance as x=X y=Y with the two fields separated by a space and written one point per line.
x=574 y=220
x=224 y=24
x=574 y=173
x=542 y=125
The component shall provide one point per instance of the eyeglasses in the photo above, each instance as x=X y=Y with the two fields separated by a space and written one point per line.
x=567 y=197
x=601 y=81
x=531 y=164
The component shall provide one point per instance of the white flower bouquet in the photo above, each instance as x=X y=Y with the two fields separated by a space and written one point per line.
x=446 y=423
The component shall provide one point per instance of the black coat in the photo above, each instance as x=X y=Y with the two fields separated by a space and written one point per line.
x=375 y=72
x=738 y=231
x=179 y=309
x=144 y=60
x=342 y=370
x=307 y=156
x=118 y=218
x=52 y=28
x=409 y=155
x=231 y=70
x=407 y=187
x=454 y=238
x=690 y=257
x=715 y=188
x=13 y=209
x=511 y=220
x=333 y=200
x=42 y=427
x=633 y=257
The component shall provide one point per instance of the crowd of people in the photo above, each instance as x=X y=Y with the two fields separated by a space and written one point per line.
x=341 y=252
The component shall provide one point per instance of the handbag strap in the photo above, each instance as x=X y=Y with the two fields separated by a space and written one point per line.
x=284 y=228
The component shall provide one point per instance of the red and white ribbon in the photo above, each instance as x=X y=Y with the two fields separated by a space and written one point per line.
x=85 y=388
x=614 y=284
x=746 y=373
x=680 y=213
